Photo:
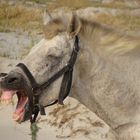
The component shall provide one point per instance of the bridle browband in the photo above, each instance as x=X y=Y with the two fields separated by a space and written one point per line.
x=65 y=88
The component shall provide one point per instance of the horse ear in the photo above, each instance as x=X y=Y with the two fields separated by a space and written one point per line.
x=46 y=17
x=75 y=25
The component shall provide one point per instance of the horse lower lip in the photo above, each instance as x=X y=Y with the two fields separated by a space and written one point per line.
x=18 y=117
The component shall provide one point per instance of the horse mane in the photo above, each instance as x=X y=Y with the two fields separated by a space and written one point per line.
x=107 y=39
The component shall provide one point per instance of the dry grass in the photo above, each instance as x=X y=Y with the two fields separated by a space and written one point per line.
x=85 y=3
x=74 y=132
x=62 y=115
x=71 y=4
x=19 y=17
x=96 y=123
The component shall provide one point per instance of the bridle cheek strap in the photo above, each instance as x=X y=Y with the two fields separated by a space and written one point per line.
x=65 y=86
x=67 y=79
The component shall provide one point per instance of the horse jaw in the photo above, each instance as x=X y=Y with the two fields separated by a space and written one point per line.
x=51 y=93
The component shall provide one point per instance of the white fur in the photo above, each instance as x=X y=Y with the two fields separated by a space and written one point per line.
x=106 y=77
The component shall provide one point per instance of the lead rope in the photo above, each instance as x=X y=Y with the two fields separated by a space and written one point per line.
x=35 y=111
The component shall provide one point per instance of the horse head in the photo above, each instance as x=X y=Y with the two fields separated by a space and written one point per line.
x=46 y=58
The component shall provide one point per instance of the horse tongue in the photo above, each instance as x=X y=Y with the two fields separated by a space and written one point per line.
x=7 y=96
x=19 y=112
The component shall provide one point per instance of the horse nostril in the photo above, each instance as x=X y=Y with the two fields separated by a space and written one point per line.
x=3 y=74
x=12 y=80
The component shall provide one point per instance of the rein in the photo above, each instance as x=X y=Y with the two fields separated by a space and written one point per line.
x=65 y=88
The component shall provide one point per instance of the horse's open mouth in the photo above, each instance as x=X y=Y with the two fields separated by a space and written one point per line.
x=6 y=98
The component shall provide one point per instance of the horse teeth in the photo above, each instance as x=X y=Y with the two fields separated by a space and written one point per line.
x=6 y=102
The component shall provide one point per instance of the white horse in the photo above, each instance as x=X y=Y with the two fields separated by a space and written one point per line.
x=106 y=76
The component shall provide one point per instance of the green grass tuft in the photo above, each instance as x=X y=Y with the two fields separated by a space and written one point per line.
x=34 y=131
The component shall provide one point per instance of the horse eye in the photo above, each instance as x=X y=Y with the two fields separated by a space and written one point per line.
x=51 y=56
x=55 y=52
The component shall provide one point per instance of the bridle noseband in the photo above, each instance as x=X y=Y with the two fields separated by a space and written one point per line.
x=36 y=88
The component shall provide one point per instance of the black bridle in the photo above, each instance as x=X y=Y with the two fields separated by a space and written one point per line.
x=36 y=88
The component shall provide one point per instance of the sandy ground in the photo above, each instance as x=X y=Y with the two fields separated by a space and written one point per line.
x=15 y=45
x=83 y=126
x=10 y=130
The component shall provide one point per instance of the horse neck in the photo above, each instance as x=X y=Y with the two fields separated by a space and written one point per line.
x=96 y=66
x=88 y=64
